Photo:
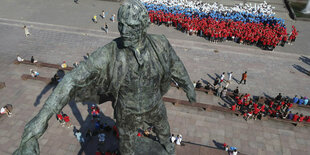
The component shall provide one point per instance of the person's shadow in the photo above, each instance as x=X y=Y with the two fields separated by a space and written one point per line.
x=218 y=145
x=211 y=77
x=236 y=80
x=304 y=59
x=301 y=69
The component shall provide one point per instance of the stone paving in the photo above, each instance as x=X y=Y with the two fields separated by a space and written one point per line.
x=69 y=39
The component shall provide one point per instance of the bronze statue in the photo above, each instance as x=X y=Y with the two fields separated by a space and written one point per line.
x=136 y=69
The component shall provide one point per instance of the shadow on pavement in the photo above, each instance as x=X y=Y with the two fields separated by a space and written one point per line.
x=44 y=91
x=305 y=59
x=301 y=69
x=213 y=78
x=218 y=145
x=236 y=80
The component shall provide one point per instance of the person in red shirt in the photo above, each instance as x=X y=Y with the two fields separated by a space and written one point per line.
x=98 y=152
x=239 y=103
x=67 y=120
x=255 y=105
x=295 y=118
x=301 y=118
x=60 y=119
x=271 y=104
x=256 y=113
x=233 y=107
x=308 y=119
x=278 y=107
x=262 y=109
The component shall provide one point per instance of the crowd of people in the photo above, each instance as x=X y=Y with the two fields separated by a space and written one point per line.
x=279 y=107
x=247 y=24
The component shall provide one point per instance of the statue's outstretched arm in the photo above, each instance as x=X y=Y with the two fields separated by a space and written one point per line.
x=180 y=75
x=84 y=75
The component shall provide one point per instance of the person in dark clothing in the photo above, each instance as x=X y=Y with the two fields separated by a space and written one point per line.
x=279 y=97
x=236 y=91
x=198 y=84
x=216 y=81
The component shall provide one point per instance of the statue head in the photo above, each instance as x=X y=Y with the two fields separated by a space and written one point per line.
x=133 y=21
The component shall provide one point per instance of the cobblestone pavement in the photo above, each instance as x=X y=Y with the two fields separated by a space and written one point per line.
x=69 y=39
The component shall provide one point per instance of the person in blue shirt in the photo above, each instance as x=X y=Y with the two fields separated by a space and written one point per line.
x=306 y=100
x=295 y=99
x=290 y=115
x=301 y=100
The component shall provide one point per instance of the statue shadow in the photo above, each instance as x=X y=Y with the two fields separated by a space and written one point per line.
x=92 y=143
x=43 y=92
x=52 y=85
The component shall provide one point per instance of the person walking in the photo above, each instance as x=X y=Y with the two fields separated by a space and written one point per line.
x=106 y=28
x=103 y=14
x=244 y=76
x=95 y=19
x=222 y=77
x=229 y=77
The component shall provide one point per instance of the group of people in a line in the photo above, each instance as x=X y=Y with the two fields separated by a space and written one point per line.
x=252 y=28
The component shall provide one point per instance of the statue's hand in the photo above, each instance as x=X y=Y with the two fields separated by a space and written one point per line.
x=31 y=147
x=33 y=130
x=191 y=96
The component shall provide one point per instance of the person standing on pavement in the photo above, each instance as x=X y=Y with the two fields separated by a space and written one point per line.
x=244 y=76
x=229 y=76
x=27 y=33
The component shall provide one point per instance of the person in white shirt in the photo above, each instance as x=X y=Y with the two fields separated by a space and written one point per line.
x=19 y=59
x=179 y=140
x=27 y=33
x=34 y=73
x=222 y=77
x=172 y=138
x=229 y=77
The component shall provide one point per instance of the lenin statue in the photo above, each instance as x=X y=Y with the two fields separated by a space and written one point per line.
x=136 y=69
